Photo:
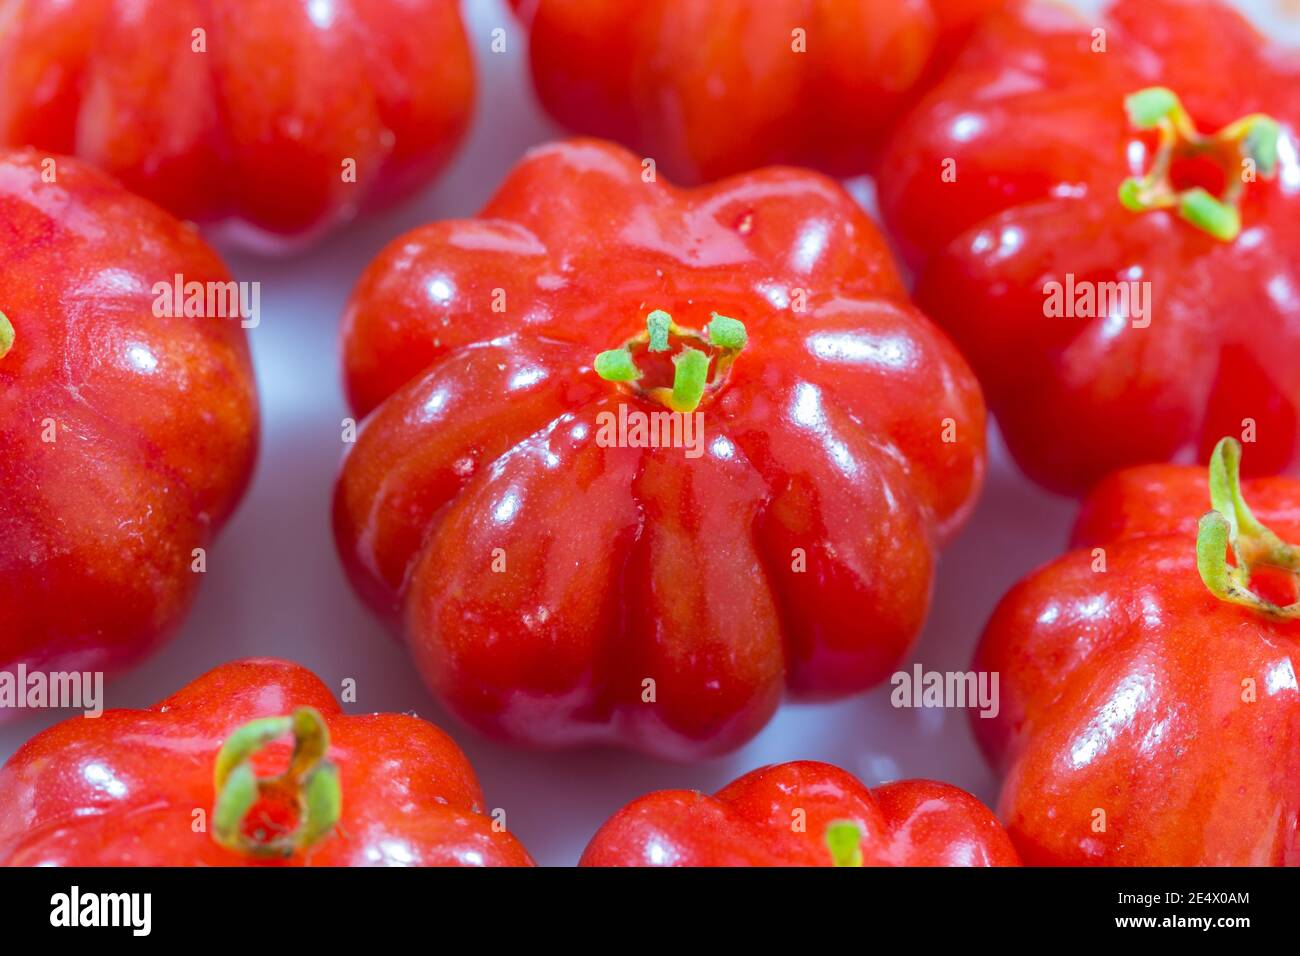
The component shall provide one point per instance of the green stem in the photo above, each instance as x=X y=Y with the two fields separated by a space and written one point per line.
x=1233 y=526
x=658 y=324
x=311 y=780
x=1253 y=137
x=6 y=335
x=617 y=365
x=844 y=840
x=690 y=375
x=725 y=336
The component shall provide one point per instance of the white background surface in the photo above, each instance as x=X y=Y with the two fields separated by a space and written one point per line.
x=274 y=586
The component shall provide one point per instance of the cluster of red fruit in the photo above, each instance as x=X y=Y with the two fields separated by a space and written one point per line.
x=1149 y=709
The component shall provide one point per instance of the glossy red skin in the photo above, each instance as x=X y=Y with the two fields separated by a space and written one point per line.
x=622 y=563
x=253 y=133
x=1035 y=123
x=121 y=789
x=751 y=822
x=1122 y=691
x=710 y=88
x=156 y=420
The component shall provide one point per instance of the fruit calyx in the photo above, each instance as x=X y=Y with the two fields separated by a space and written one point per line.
x=844 y=841
x=1232 y=525
x=1253 y=137
x=724 y=337
x=6 y=335
x=311 y=781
